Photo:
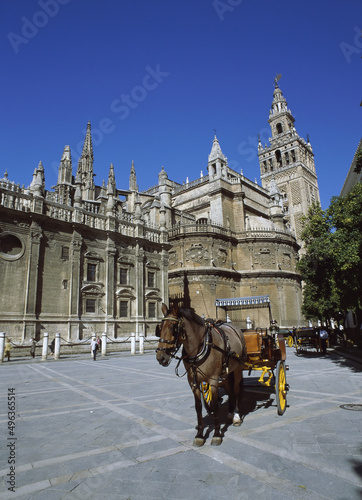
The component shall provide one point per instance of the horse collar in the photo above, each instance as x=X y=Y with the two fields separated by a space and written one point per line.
x=205 y=351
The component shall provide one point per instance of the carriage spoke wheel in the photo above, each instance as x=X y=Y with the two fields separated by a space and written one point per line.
x=290 y=341
x=281 y=388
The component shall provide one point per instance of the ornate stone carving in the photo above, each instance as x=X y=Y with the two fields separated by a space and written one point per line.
x=287 y=261
x=264 y=258
x=173 y=258
x=197 y=253
x=222 y=255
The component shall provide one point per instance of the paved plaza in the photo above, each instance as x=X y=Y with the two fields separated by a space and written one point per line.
x=122 y=428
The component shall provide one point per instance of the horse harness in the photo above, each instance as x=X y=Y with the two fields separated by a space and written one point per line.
x=205 y=346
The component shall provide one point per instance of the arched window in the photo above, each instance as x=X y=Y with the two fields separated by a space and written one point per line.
x=279 y=128
x=278 y=157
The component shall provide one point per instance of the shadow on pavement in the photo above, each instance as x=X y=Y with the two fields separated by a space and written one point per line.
x=255 y=397
x=357 y=466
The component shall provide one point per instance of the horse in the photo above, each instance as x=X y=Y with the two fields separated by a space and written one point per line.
x=211 y=354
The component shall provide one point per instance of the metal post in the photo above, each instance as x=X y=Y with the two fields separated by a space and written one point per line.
x=104 y=344
x=133 y=343
x=141 y=339
x=44 y=353
x=57 y=346
x=2 y=346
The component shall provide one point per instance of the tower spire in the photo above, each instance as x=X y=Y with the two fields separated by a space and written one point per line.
x=85 y=167
x=133 y=179
x=88 y=146
x=288 y=164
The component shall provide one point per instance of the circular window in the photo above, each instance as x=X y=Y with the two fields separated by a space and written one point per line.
x=11 y=247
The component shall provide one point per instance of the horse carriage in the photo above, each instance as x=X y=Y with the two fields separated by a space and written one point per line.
x=216 y=354
x=306 y=338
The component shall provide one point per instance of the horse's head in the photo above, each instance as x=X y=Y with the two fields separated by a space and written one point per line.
x=169 y=333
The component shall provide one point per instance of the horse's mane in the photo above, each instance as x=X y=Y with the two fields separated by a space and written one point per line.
x=190 y=315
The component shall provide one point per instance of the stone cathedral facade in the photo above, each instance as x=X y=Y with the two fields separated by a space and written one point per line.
x=84 y=259
x=81 y=259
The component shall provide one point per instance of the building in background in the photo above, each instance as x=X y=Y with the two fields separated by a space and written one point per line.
x=354 y=175
x=352 y=323
x=289 y=161
x=84 y=259
x=232 y=252
x=81 y=259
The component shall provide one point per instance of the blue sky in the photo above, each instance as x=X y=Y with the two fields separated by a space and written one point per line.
x=156 y=77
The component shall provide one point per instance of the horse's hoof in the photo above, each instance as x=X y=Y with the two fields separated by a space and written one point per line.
x=216 y=441
x=199 y=442
x=230 y=417
x=236 y=420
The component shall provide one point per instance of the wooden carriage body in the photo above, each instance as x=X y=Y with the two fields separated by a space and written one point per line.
x=264 y=348
x=266 y=352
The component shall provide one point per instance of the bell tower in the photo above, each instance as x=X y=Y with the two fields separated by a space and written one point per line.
x=289 y=161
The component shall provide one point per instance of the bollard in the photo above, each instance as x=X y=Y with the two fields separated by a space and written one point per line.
x=133 y=343
x=44 y=353
x=141 y=339
x=57 y=346
x=2 y=346
x=104 y=344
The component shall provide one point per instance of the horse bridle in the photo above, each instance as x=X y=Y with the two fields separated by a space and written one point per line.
x=177 y=331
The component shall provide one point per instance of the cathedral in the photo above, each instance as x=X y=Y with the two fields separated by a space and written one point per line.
x=84 y=259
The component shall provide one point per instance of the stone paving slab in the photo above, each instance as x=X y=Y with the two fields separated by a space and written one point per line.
x=122 y=428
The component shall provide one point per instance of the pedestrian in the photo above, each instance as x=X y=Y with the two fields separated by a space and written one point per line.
x=52 y=347
x=32 y=347
x=8 y=346
x=94 y=347
x=99 y=342
x=323 y=335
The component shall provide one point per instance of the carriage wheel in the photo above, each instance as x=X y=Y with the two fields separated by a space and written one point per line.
x=281 y=388
x=290 y=341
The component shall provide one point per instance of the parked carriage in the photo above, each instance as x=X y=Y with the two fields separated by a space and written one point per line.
x=288 y=336
x=306 y=338
x=214 y=354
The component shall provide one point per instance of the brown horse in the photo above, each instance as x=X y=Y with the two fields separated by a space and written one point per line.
x=210 y=354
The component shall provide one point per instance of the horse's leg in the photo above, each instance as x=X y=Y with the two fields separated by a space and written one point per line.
x=238 y=389
x=199 y=438
x=216 y=438
x=229 y=385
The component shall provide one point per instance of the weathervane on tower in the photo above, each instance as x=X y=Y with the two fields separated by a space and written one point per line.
x=276 y=80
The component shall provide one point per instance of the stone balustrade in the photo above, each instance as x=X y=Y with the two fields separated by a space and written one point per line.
x=16 y=198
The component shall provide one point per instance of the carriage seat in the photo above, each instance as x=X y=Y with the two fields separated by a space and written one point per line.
x=254 y=341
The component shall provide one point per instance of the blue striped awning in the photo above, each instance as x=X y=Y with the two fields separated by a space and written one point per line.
x=243 y=301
